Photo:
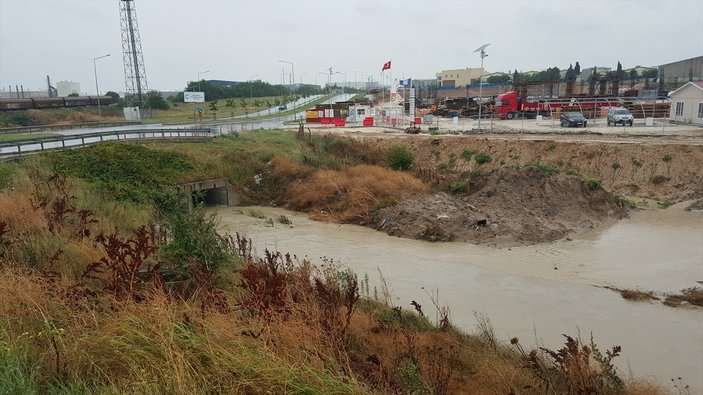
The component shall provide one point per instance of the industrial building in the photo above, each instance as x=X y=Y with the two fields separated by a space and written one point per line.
x=458 y=77
x=674 y=75
x=65 y=88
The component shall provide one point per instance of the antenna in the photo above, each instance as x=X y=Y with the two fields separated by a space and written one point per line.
x=134 y=72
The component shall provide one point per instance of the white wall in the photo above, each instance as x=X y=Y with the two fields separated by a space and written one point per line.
x=690 y=95
x=65 y=88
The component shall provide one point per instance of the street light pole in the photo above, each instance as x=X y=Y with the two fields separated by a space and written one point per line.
x=202 y=72
x=482 y=50
x=292 y=74
x=251 y=94
x=97 y=91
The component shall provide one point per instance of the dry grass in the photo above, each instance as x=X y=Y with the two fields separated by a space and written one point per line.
x=276 y=326
x=351 y=194
x=693 y=295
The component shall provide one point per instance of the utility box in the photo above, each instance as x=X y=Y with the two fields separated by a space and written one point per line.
x=649 y=121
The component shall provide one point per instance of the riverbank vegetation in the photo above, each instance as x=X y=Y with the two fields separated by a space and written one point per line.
x=108 y=286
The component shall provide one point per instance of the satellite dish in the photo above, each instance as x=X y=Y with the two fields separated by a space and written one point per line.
x=482 y=47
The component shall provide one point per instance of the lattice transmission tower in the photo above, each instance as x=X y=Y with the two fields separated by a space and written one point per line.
x=134 y=72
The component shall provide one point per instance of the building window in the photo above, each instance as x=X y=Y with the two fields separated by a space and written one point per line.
x=700 y=110
x=679 y=108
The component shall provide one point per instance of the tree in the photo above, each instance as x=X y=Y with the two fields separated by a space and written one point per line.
x=213 y=108
x=621 y=74
x=73 y=94
x=569 y=73
x=633 y=77
x=114 y=95
x=651 y=73
x=577 y=69
x=231 y=104
x=498 y=78
x=155 y=101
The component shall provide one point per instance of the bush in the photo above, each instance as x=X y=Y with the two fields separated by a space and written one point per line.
x=667 y=158
x=594 y=185
x=399 y=158
x=545 y=169
x=458 y=187
x=482 y=158
x=656 y=180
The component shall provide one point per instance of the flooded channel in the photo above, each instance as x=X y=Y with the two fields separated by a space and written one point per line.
x=536 y=292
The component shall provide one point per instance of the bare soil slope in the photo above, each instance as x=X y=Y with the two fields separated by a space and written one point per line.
x=505 y=207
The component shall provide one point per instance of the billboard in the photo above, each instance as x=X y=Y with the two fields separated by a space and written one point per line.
x=194 y=97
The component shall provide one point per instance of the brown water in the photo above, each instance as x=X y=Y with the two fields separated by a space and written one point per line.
x=535 y=293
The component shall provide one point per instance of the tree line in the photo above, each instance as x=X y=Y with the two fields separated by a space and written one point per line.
x=554 y=74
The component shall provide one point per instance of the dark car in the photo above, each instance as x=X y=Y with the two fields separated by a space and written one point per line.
x=282 y=108
x=573 y=119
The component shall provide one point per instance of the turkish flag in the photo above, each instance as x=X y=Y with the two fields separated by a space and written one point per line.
x=386 y=66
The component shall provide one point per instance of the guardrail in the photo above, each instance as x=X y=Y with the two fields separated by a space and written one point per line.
x=44 y=128
x=11 y=149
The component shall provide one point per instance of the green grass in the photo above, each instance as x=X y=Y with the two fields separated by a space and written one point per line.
x=184 y=112
x=25 y=136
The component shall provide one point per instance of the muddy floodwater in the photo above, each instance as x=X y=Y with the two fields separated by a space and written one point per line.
x=535 y=292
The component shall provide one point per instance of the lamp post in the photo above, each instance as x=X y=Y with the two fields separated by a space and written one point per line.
x=356 y=81
x=97 y=91
x=292 y=75
x=202 y=72
x=251 y=92
x=482 y=50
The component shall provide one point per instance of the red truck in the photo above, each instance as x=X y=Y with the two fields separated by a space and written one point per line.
x=509 y=105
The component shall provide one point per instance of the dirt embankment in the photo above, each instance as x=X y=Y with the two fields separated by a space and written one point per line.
x=505 y=207
x=536 y=191
x=662 y=171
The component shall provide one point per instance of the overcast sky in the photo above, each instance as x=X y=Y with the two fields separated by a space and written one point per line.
x=237 y=39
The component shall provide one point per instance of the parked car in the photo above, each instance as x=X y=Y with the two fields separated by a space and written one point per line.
x=621 y=115
x=573 y=118
x=282 y=108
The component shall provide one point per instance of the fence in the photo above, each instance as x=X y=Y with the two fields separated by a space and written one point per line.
x=30 y=146
x=45 y=128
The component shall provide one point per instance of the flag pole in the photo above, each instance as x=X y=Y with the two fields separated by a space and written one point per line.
x=383 y=93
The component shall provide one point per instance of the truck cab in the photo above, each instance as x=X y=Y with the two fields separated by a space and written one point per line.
x=507 y=105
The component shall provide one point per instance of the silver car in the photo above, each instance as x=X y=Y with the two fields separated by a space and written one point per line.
x=619 y=115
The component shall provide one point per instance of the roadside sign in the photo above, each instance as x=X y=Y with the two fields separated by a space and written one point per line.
x=194 y=97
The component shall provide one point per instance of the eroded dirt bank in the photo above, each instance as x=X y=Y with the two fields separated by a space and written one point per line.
x=646 y=169
x=506 y=207
x=533 y=191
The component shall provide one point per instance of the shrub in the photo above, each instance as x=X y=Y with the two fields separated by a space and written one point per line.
x=615 y=165
x=659 y=179
x=399 y=158
x=458 y=186
x=192 y=236
x=594 y=185
x=545 y=169
x=667 y=158
x=467 y=154
x=482 y=158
